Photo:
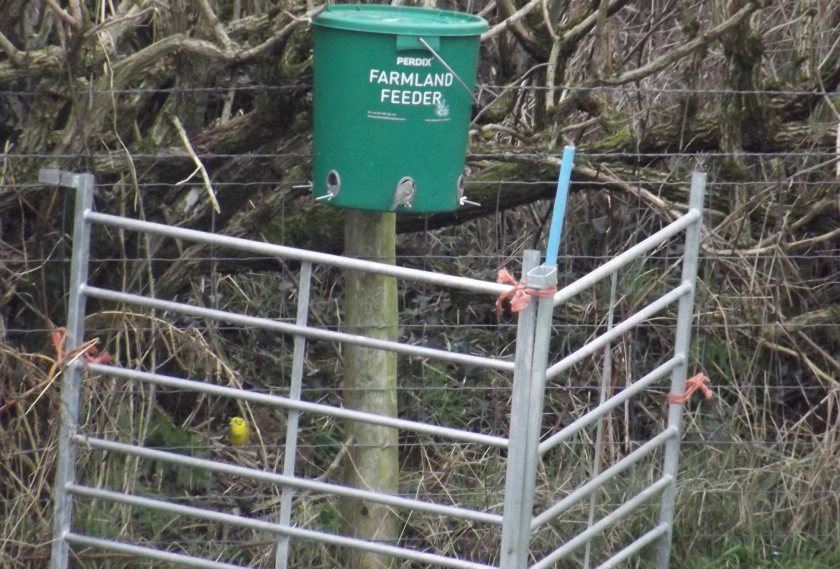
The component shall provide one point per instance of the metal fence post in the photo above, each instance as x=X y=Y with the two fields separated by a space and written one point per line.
x=541 y=278
x=71 y=376
x=532 y=341
x=685 y=315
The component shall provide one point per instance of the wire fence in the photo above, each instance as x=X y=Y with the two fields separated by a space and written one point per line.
x=767 y=437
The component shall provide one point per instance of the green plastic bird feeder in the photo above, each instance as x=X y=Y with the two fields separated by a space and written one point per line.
x=392 y=101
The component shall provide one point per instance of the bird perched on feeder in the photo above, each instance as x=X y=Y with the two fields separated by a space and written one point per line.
x=404 y=194
x=239 y=432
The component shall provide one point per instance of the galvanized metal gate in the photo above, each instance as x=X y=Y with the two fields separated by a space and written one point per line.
x=525 y=445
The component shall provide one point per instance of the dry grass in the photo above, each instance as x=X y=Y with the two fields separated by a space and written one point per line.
x=757 y=466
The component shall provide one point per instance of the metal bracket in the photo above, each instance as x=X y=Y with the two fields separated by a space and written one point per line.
x=62 y=178
x=542 y=277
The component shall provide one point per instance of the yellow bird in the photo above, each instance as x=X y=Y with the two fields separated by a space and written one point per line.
x=239 y=432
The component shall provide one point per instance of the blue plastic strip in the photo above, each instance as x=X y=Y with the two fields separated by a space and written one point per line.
x=559 y=206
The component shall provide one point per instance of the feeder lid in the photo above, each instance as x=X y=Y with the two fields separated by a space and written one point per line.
x=399 y=20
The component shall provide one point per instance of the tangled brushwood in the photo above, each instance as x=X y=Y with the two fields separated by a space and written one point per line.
x=201 y=118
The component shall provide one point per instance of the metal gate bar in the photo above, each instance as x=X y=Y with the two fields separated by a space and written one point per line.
x=635 y=547
x=691 y=218
x=600 y=479
x=314 y=333
x=619 y=330
x=284 y=480
x=304 y=406
x=293 y=416
x=71 y=377
x=633 y=389
x=682 y=343
x=252 y=523
x=638 y=500
x=303 y=255
x=531 y=369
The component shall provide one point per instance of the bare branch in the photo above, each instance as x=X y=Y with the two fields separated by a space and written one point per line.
x=76 y=10
x=837 y=150
x=782 y=247
x=216 y=26
x=156 y=51
x=15 y=55
x=273 y=41
x=511 y=20
x=678 y=53
x=547 y=20
x=199 y=166
x=73 y=21
x=120 y=21
x=182 y=43
x=35 y=63
x=550 y=73
x=574 y=34
x=664 y=207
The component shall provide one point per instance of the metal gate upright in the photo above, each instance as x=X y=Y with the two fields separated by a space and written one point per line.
x=525 y=444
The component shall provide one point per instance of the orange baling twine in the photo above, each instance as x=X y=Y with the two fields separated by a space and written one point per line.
x=87 y=350
x=520 y=295
x=700 y=381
